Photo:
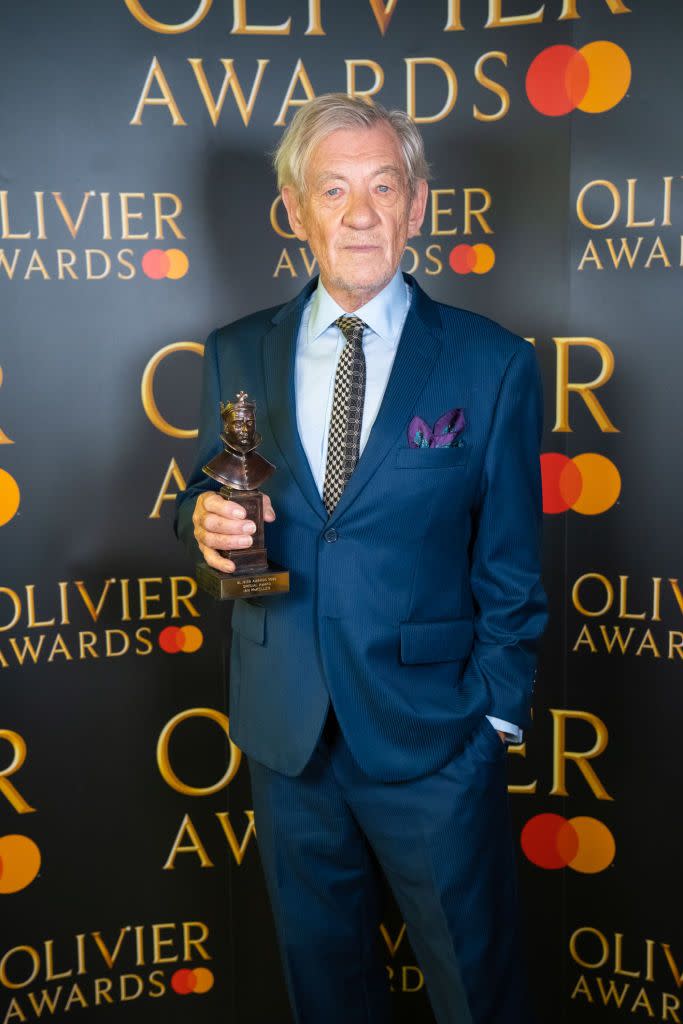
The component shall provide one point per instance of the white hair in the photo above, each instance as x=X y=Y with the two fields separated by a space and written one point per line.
x=325 y=114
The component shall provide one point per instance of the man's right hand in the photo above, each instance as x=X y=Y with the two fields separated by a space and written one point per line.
x=221 y=525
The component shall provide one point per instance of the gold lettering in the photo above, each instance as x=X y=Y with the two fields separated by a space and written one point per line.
x=185 y=599
x=438 y=211
x=363 y=94
x=494 y=87
x=109 y=958
x=609 y=591
x=590 y=256
x=170 y=218
x=479 y=212
x=383 y=12
x=498 y=20
x=141 y=15
x=299 y=77
x=95 y=611
x=147 y=388
x=618 y=954
x=631 y=221
x=4 y=219
x=167 y=99
x=616 y=204
x=31 y=609
x=569 y=9
x=604 y=946
x=172 y=473
x=14 y=598
x=625 y=252
x=146 y=598
x=49 y=963
x=453 y=21
x=238 y=849
x=194 y=846
x=164 y=762
x=7 y=788
x=585 y=390
x=189 y=943
x=241 y=28
x=451 y=96
x=232 y=82
x=285 y=263
x=158 y=942
x=275 y=223
x=581 y=758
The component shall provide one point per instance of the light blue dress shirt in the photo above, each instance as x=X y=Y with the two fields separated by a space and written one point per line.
x=319 y=346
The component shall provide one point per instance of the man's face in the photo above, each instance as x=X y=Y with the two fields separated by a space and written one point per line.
x=357 y=212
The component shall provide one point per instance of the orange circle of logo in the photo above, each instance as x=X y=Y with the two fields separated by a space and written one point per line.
x=10 y=496
x=19 y=862
x=593 y=79
x=178 y=264
x=589 y=483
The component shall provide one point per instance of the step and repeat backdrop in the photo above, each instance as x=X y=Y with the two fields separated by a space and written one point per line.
x=138 y=212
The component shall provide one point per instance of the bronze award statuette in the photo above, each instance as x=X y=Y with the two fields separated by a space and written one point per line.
x=240 y=469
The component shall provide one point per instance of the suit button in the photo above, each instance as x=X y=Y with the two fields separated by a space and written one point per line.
x=330 y=535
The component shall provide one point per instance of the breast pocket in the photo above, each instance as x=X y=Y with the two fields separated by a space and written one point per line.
x=432 y=458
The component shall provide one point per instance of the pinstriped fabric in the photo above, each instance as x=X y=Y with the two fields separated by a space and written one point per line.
x=412 y=546
x=346 y=419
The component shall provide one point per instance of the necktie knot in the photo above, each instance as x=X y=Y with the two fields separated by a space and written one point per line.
x=352 y=327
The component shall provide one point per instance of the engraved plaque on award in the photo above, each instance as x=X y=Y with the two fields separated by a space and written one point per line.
x=239 y=469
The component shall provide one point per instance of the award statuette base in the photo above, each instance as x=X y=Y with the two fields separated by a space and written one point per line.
x=226 y=586
x=254 y=575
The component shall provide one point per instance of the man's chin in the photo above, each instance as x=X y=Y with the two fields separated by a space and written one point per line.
x=362 y=283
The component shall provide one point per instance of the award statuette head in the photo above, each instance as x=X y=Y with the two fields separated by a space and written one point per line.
x=240 y=470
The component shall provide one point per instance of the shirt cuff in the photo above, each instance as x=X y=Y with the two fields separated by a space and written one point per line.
x=513 y=734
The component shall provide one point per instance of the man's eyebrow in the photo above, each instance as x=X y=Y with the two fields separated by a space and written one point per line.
x=388 y=169
x=332 y=176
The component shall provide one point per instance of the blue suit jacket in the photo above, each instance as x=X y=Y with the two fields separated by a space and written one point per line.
x=417 y=605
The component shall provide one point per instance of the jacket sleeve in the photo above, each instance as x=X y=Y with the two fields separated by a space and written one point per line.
x=208 y=445
x=511 y=607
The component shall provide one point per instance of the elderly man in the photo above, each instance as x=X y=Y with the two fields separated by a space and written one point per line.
x=374 y=700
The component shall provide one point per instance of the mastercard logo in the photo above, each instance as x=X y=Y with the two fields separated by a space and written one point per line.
x=187 y=639
x=188 y=980
x=593 y=79
x=588 y=483
x=160 y=263
x=472 y=259
x=583 y=844
x=9 y=497
x=19 y=863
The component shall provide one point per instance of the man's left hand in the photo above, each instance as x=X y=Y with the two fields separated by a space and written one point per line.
x=502 y=736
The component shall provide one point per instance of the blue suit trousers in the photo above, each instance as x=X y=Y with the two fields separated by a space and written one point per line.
x=444 y=844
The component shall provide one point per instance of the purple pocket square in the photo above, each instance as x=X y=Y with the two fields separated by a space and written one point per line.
x=444 y=433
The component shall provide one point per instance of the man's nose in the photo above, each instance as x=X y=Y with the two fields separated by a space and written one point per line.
x=359 y=212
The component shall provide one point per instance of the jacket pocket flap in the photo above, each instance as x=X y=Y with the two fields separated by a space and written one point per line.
x=249 y=620
x=431 y=458
x=424 y=642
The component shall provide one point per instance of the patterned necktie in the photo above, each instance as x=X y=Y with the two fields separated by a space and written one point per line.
x=343 y=445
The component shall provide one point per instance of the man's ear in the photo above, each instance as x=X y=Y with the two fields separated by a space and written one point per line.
x=292 y=205
x=418 y=206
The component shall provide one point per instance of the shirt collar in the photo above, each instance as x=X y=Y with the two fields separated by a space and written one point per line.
x=384 y=313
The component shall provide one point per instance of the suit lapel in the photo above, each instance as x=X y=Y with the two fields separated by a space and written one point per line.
x=418 y=348
x=279 y=352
